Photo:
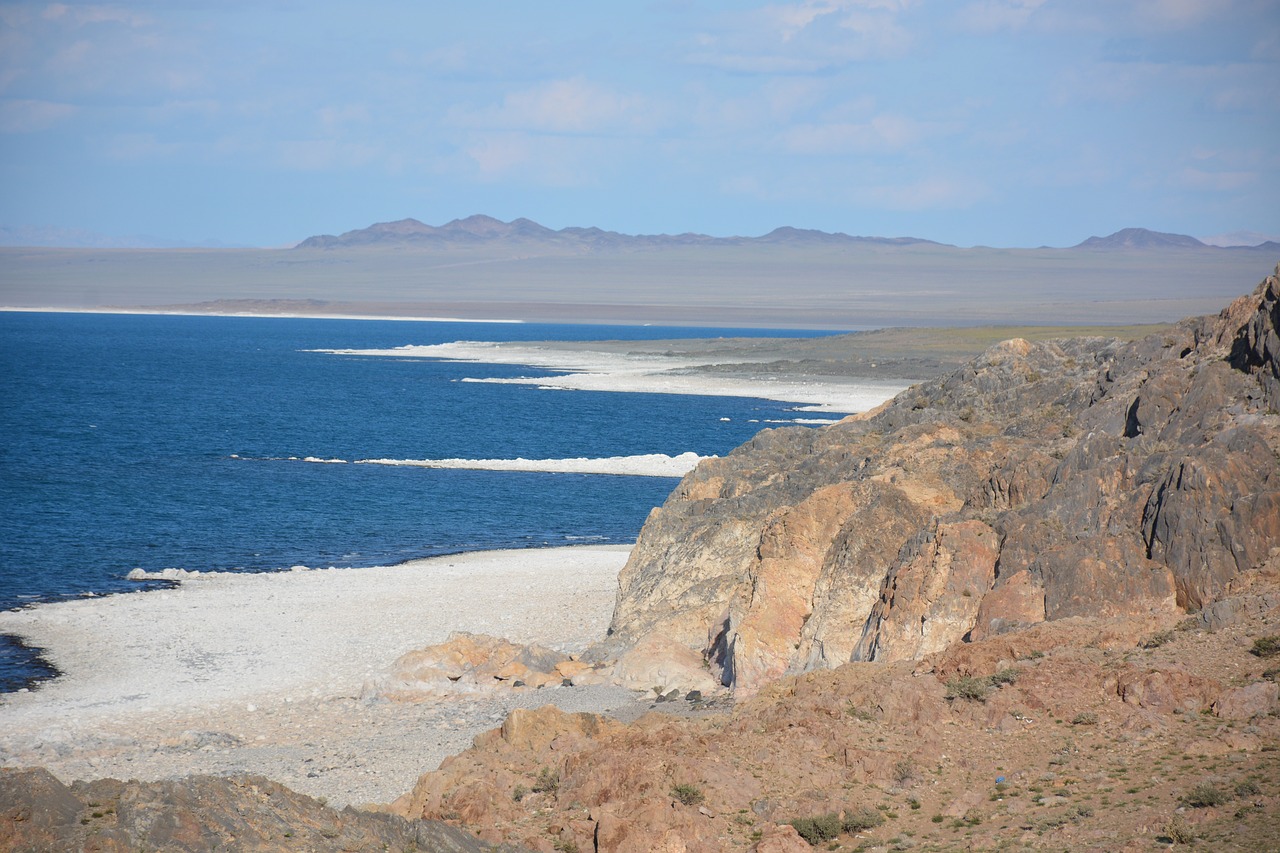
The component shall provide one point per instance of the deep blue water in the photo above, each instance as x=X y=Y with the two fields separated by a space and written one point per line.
x=119 y=438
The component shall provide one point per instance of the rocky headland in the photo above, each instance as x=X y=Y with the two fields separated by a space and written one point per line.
x=1033 y=603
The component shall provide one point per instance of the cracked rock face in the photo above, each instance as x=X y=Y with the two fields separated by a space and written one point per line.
x=1083 y=477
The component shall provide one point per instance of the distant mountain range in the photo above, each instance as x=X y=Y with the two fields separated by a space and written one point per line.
x=481 y=230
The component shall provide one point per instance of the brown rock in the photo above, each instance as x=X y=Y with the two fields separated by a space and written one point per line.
x=781 y=839
x=1042 y=481
x=1245 y=703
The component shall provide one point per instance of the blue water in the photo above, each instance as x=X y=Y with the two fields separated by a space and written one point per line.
x=119 y=438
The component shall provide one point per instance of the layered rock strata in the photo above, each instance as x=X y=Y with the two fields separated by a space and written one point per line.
x=1083 y=477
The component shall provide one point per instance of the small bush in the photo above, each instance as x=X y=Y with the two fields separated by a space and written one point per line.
x=968 y=687
x=859 y=713
x=1248 y=788
x=1179 y=831
x=1204 y=795
x=1008 y=675
x=1266 y=647
x=903 y=772
x=818 y=828
x=690 y=795
x=548 y=781
x=862 y=819
x=1085 y=718
x=519 y=793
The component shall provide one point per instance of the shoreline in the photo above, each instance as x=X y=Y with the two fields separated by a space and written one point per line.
x=270 y=672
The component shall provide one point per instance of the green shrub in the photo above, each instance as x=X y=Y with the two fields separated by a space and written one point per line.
x=548 y=781
x=862 y=819
x=1266 y=647
x=1008 y=675
x=1204 y=795
x=1248 y=788
x=968 y=687
x=690 y=795
x=818 y=828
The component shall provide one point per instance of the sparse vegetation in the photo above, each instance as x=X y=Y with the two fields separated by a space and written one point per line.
x=1001 y=677
x=1178 y=831
x=968 y=687
x=519 y=793
x=827 y=827
x=1266 y=647
x=548 y=781
x=1204 y=795
x=690 y=795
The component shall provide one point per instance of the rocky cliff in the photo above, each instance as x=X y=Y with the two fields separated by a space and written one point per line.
x=1081 y=477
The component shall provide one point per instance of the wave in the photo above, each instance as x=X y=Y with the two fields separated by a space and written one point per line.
x=643 y=465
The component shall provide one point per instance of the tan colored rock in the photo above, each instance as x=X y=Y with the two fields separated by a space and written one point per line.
x=931 y=598
x=469 y=662
x=1165 y=691
x=1245 y=703
x=1101 y=478
x=782 y=838
x=657 y=661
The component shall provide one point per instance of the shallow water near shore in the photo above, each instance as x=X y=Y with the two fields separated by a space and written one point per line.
x=165 y=442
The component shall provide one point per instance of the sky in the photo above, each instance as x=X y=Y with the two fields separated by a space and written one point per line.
x=994 y=122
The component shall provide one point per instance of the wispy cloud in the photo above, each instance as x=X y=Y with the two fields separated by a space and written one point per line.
x=804 y=38
x=574 y=106
x=994 y=15
x=30 y=116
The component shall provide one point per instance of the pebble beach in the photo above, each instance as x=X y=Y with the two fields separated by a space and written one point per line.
x=270 y=673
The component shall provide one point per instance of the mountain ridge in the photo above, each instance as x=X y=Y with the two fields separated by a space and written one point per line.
x=481 y=229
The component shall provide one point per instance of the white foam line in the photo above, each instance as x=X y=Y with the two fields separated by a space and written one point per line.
x=645 y=465
x=648 y=373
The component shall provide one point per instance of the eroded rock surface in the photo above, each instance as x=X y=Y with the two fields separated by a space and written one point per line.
x=201 y=813
x=1044 y=481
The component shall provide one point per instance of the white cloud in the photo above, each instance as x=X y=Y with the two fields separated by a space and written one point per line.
x=805 y=38
x=1214 y=181
x=81 y=15
x=881 y=133
x=317 y=155
x=573 y=106
x=1177 y=14
x=936 y=193
x=993 y=15
x=29 y=116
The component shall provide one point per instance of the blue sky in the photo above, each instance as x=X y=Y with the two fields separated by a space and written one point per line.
x=996 y=122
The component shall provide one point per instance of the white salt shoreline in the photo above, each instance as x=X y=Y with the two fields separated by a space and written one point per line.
x=601 y=370
x=264 y=672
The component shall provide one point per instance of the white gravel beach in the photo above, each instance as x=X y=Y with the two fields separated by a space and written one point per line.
x=265 y=673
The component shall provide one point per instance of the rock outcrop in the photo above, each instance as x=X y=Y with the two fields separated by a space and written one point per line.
x=1039 y=482
x=1080 y=733
x=201 y=813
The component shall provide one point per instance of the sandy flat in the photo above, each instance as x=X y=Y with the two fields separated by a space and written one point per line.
x=265 y=673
